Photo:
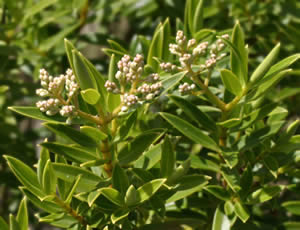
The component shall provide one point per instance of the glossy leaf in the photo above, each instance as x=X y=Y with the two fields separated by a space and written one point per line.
x=90 y=96
x=190 y=131
x=44 y=157
x=231 y=158
x=3 y=224
x=25 y=175
x=149 y=158
x=264 y=194
x=194 y=113
x=171 y=81
x=218 y=191
x=49 y=179
x=292 y=206
x=69 y=173
x=71 y=134
x=132 y=196
x=120 y=179
x=113 y=195
x=168 y=158
x=35 y=113
x=13 y=223
x=231 y=82
x=94 y=133
x=263 y=68
x=83 y=75
x=149 y=189
x=188 y=185
x=241 y=211
x=232 y=178
x=221 y=221
x=73 y=188
x=71 y=153
x=119 y=215
x=22 y=216
x=133 y=150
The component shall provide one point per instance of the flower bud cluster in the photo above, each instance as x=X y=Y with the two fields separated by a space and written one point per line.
x=53 y=88
x=150 y=91
x=186 y=88
x=50 y=106
x=168 y=67
x=111 y=87
x=129 y=100
x=189 y=52
x=130 y=70
x=68 y=111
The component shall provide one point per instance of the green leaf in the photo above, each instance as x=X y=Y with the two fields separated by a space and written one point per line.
x=264 y=194
x=221 y=221
x=71 y=134
x=3 y=89
x=156 y=47
x=263 y=68
x=179 y=172
x=218 y=191
x=119 y=179
x=149 y=158
x=291 y=225
x=231 y=158
x=171 y=81
x=239 y=67
x=69 y=173
x=3 y=224
x=25 y=175
x=232 y=178
x=190 y=131
x=204 y=164
x=292 y=206
x=119 y=215
x=198 y=17
x=113 y=101
x=45 y=205
x=83 y=75
x=203 y=33
x=246 y=180
x=113 y=195
x=129 y=123
x=188 y=185
x=241 y=211
x=231 y=82
x=230 y=123
x=133 y=150
x=44 y=157
x=281 y=65
x=71 y=153
x=49 y=179
x=116 y=46
x=149 y=189
x=168 y=158
x=22 y=216
x=69 y=47
x=13 y=224
x=35 y=113
x=73 y=188
x=94 y=133
x=193 y=112
x=38 y=7
x=132 y=196
x=90 y=96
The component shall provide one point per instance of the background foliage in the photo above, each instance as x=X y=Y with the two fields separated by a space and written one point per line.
x=32 y=35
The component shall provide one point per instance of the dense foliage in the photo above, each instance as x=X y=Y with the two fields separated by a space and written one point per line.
x=183 y=132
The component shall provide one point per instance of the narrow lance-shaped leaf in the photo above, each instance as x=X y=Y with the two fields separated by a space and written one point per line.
x=44 y=157
x=83 y=76
x=94 y=133
x=13 y=224
x=167 y=163
x=156 y=47
x=231 y=82
x=149 y=189
x=119 y=179
x=193 y=112
x=292 y=206
x=241 y=211
x=113 y=195
x=263 y=68
x=49 y=179
x=239 y=67
x=22 y=216
x=221 y=221
x=25 y=175
x=198 y=17
x=190 y=131
x=3 y=224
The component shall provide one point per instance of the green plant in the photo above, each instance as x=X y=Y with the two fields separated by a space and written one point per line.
x=215 y=156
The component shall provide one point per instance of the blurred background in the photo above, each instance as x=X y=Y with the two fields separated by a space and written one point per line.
x=32 y=33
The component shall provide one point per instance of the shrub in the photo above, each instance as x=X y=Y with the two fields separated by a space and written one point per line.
x=218 y=155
